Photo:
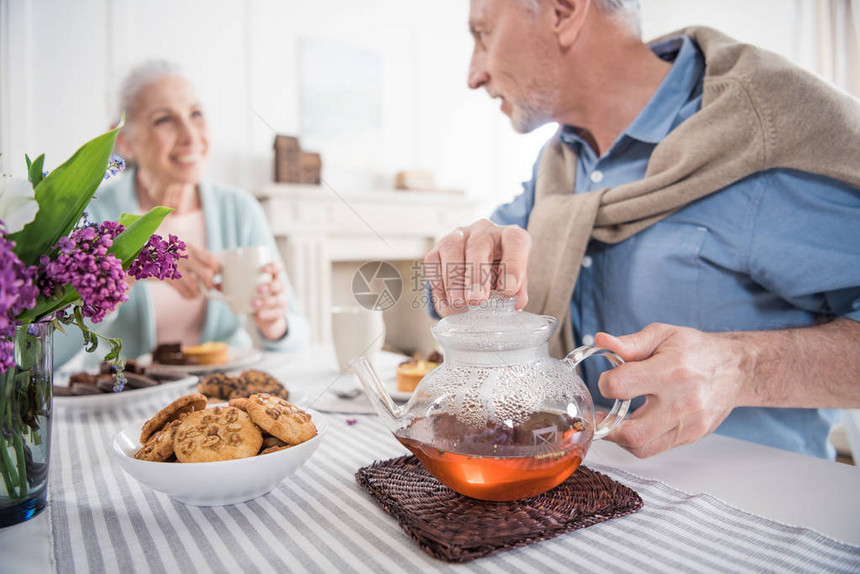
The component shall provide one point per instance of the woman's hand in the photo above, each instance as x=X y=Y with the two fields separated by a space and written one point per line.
x=271 y=304
x=200 y=268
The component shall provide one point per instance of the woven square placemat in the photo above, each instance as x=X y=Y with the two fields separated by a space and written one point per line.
x=456 y=528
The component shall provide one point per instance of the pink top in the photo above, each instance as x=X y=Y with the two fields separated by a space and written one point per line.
x=177 y=319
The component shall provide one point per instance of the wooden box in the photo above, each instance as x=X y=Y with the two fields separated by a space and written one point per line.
x=310 y=168
x=287 y=166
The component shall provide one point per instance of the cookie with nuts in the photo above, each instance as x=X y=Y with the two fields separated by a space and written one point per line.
x=159 y=447
x=218 y=385
x=253 y=382
x=183 y=405
x=273 y=444
x=220 y=433
x=241 y=404
x=280 y=418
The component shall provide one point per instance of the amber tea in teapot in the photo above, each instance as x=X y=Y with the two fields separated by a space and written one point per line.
x=500 y=419
x=502 y=471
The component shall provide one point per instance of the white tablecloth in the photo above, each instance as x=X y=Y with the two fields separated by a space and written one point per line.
x=319 y=520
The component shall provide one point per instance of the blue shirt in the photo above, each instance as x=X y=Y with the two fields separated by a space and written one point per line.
x=778 y=249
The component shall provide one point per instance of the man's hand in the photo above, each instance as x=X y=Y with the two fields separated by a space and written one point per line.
x=691 y=381
x=200 y=267
x=271 y=304
x=472 y=261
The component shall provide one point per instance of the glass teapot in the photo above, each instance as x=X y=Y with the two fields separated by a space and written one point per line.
x=499 y=419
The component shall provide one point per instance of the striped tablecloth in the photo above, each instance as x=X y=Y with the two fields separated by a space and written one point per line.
x=319 y=520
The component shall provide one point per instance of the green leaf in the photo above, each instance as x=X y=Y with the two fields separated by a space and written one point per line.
x=46 y=307
x=34 y=170
x=126 y=219
x=111 y=355
x=63 y=196
x=91 y=342
x=58 y=326
x=28 y=349
x=128 y=244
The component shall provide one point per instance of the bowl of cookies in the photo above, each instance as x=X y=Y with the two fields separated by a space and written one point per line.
x=207 y=455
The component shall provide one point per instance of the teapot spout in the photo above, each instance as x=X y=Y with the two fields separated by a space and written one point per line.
x=387 y=410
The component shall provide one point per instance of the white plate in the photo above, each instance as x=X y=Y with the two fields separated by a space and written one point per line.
x=350 y=383
x=396 y=394
x=237 y=358
x=215 y=483
x=386 y=367
x=104 y=401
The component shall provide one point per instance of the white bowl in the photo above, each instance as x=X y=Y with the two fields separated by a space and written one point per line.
x=214 y=483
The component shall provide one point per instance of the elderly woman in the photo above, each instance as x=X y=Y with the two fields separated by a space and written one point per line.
x=166 y=142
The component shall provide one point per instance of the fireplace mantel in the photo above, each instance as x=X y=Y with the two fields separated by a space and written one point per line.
x=324 y=236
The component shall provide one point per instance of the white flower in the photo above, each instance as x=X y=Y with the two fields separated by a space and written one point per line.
x=18 y=205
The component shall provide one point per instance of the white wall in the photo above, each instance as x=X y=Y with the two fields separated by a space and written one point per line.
x=61 y=60
x=771 y=24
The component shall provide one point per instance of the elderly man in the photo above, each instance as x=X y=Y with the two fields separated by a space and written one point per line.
x=700 y=203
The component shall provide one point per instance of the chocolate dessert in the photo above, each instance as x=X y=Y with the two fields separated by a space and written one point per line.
x=169 y=354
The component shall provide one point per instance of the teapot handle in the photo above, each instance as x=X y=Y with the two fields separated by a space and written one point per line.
x=619 y=409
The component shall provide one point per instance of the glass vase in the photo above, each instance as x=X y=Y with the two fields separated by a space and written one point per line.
x=25 y=424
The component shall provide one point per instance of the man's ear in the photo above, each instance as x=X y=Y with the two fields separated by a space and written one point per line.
x=568 y=20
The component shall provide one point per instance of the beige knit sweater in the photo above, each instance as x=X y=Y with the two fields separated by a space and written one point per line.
x=758 y=112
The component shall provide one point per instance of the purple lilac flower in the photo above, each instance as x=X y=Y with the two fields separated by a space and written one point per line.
x=116 y=165
x=83 y=261
x=158 y=258
x=17 y=293
x=112 y=229
x=7 y=352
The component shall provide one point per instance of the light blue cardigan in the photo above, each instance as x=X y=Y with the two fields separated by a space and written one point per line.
x=233 y=219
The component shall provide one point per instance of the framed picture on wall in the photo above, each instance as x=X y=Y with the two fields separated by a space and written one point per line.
x=341 y=104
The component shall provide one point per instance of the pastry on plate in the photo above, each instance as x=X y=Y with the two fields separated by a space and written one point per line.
x=209 y=353
x=410 y=373
x=168 y=354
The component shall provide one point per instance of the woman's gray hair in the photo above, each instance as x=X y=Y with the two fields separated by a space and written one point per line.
x=137 y=79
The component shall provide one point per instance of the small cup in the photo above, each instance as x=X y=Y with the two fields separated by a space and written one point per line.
x=241 y=275
x=356 y=331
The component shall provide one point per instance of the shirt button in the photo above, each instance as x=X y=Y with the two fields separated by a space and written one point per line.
x=588 y=339
x=586 y=261
x=596 y=176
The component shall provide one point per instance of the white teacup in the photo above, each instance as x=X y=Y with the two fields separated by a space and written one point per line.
x=356 y=331
x=241 y=275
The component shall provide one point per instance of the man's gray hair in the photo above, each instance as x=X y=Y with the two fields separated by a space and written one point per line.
x=627 y=10
x=138 y=78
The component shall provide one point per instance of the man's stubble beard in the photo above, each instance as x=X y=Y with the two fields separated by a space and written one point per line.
x=538 y=103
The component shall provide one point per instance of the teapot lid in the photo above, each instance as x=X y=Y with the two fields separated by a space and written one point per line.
x=494 y=325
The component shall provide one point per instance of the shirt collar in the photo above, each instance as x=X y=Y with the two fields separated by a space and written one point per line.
x=656 y=119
